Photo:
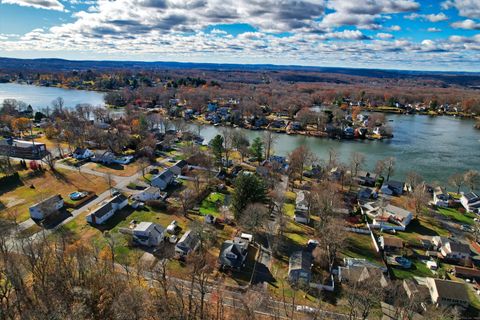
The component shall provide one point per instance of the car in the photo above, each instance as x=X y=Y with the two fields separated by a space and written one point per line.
x=173 y=227
x=306 y=309
x=173 y=239
x=77 y=195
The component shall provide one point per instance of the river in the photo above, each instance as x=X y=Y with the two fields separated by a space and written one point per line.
x=435 y=147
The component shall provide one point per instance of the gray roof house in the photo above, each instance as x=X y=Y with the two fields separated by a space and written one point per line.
x=189 y=242
x=148 y=234
x=107 y=209
x=300 y=268
x=45 y=208
x=103 y=157
x=233 y=254
x=163 y=179
x=392 y=187
x=179 y=167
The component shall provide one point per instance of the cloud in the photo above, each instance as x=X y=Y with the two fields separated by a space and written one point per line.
x=39 y=4
x=433 y=29
x=395 y=28
x=468 y=24
x=466 y=8
x=428 y=17
x=382 y=35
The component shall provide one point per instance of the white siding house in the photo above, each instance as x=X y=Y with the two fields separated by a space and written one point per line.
x=151 y=193
x=148 y=234
x=163 y=180
x=107 y=209
x=440 y=197
x=45 y=208
x=471 y=202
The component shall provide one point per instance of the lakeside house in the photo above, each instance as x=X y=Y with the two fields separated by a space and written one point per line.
x=148 y=234
x=359 y=273
x=440 y=197
x=300 y=268
x=189 y=242
x=151 y=193
x=107 y=209
x=46 y=208
x=471 y=202
x=455 y=251
x=446 y=293
x=233 y=254
x=22 y=149
x=390 y=244
x=392 y=188
x=389 y=217
x=163 y=180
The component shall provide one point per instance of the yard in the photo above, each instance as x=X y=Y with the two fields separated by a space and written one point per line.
x=418 y=269
x=457 y=216
x=212 y=203
x=361 y=246
x=115 y=169
x=421 y=227
x=41 y=186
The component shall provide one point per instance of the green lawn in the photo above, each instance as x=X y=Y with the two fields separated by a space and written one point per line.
x=421 y=227
x=457 y=216
x=212 y=203
x=418 y=269
x=361 y=246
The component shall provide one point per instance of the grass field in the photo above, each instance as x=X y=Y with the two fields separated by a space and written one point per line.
x=457 y=216
x=115 y=169
x=212 y=203
x=361 y=246
x=18 y=200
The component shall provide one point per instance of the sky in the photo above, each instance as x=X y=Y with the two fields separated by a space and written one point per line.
x=388 y=34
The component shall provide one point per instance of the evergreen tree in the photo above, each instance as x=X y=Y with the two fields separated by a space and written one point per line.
x=257 y=149
x=217 y=147
x=249 y=188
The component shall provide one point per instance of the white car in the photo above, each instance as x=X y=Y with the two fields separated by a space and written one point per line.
x=306 y=309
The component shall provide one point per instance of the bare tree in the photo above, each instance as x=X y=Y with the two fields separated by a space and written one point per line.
x=472 y=179
x=254 y=217
x=419 y=199
x=269 y=140
x=456 y=180
x=357 y=162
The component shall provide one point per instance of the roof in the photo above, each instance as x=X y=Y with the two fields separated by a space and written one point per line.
x=459 y=247
x=397 y=211
x=151 y=190
x=469 y=272
x=49 y=202
x=451 y=290
x=233 y=253
x=79 y=150
x=107 y=207
x=300 y=260
x=188 y=240
x=394 y=184
x=165 y=175
x=26 y=144
x=145 y=226
x=392 y=242
x=181 y=163
x=362 y=273
x=471 y=196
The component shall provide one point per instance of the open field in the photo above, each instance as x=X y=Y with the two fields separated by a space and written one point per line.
x=115 y=169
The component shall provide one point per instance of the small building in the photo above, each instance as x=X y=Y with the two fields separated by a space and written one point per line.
x=455 y=251
x=301 y=201
x=366 y=178
x=471 y=202
x=389 y=217
x=233 y=254
x=151 y=193
x=415 y=291
x=440 y=197
x=22 y=149
x=391 y=244
x=179 y=168
x=107 y=209
x=301 y=216
x=189 y=242
x=47 y=207
x=148 y=234
x=104 y=157
x=82 y=153
x=392 y=188
x=366 y=193
x=163 y=180
x=358 y=274
x=466 y=273
x=300 y=268
x=446 y=293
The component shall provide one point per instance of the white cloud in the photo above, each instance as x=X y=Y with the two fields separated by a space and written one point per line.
x=39 y=4
x=383 y=35
x=433 y=29
x=466 y=8
x=395 y=28
x=468 y=24
x=428 y=17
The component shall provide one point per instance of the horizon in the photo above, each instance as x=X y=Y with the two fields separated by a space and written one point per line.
x=413 y=35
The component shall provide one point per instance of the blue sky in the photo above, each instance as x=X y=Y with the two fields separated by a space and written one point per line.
x=400 y=34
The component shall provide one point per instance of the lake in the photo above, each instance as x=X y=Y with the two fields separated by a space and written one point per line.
x=41 y=97
x=435 y=147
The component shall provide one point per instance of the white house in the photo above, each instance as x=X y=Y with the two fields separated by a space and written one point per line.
x=148 y=234
x=455 y=251
x=107 y=209
x=440 y=197
x=151 y=193
x=82 y=153
x=447 y=293
x=163 y=180
x=301 y=202
x=189 y=242
x=471 y=202
x=179 y=167
x=389 y=217
x=103 y=157
x=45 y=208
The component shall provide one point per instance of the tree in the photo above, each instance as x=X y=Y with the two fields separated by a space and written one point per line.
x=357 y=162
x=298 y=160
x=419 y=198
x=143 y=163
x=241 y=143
x=389 y=166
x=472 y=179
x=187 y=200
x=362 y=296
x=254 y=216
x=456 y=180
x=217 y=147
x=332 y=238
x=269 y=139
x=248 y=189
x=21 y=124
x=256 y=149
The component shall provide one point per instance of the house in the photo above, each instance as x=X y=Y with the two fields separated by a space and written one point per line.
x=301 y=201
x=392 y=188
x=107 y=209
x=415 y=291
x=299 y=268
x=357 y=274
x=22 y=149
x=189 y=242
x=233 y=254
x=366 y=178
x=366 y=193
x=389 y=217
x=466 y=273
x=438 y=242
x=151 y=193
x=180 y=167
x=447 y=293
x=163 y=180
x=471 y=202
x=45 y=208
x=391 y=244
x=148 y=234
x=82 y=153
x=104 y=157
x=440 y=197
x=455 y=251
x=301 y=217
x=391 y=312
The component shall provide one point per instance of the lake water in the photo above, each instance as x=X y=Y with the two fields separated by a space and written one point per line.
x=41 y=97
x=435 y=147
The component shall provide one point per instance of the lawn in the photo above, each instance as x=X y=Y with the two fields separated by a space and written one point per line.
x=212 y=203
x=418 y=269
x=115 y=169
x=457 y=216
x=421 y=227
x=361 y=246
x=18 y=200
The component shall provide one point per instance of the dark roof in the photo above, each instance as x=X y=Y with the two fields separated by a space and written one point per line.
x=394 y=184
x=392 y=242
x=103 y=210
x=49 y=202
x=165 y=175
x=300 y=260
x=451 y=290
x=188 y=241
x=471 y=196
x=181 y=163
x=459 y=247
x=468 y=272
x=233 y=254
x=79 y=150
